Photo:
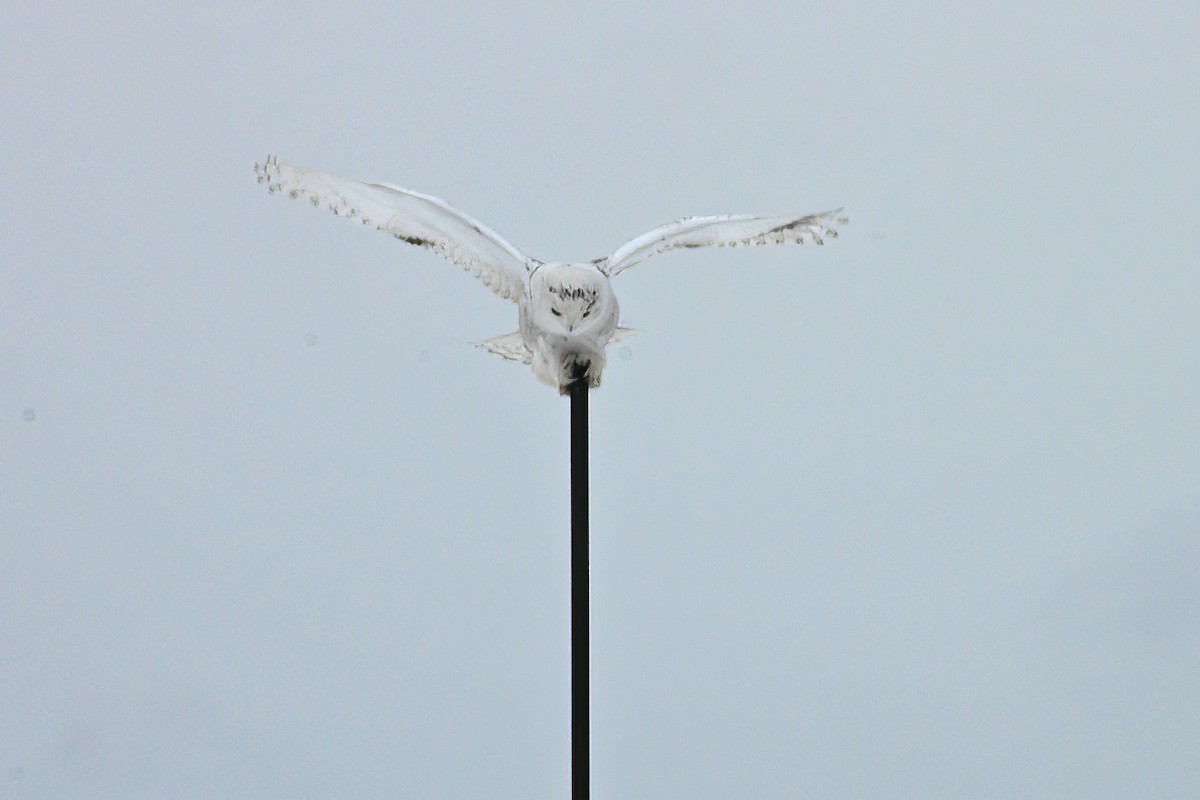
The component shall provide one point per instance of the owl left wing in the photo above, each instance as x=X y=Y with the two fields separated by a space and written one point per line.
x=729 y=230
x=411 y=217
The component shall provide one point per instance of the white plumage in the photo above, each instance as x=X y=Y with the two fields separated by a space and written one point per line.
x=567 y=312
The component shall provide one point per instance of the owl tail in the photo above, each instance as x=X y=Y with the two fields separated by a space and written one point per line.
x=510 y=346
x=621 y=334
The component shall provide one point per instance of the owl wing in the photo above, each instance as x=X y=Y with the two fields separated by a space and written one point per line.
x=411 y=217
x=731 y=230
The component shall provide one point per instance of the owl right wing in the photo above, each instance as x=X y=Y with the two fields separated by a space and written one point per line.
x=729 y=230
x=411 y=217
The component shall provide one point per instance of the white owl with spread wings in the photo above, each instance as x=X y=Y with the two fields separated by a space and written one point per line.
x=567 y=312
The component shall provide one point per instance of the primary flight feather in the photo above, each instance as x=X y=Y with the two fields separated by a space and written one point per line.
x=567 y=312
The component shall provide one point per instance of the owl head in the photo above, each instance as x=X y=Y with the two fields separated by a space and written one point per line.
x=569 y=297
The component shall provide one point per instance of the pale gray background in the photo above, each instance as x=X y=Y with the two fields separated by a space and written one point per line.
x=914 y=515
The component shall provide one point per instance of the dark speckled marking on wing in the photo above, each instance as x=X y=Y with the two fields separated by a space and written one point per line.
x=417 y=240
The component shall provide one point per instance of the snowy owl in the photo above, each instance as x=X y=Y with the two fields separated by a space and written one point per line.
x=567 y=312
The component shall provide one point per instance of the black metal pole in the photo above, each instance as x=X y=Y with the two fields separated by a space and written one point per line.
x=580 y=659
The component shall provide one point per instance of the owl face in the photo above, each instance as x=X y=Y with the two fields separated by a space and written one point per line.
x=569 y=298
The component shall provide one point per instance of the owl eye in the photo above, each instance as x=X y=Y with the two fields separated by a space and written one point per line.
x=585 y=314
x=556 y=312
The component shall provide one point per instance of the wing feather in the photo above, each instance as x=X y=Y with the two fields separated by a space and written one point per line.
x=411 y=217
x=722 y=231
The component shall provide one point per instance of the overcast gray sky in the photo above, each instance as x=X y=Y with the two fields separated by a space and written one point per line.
x=913 y=515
